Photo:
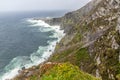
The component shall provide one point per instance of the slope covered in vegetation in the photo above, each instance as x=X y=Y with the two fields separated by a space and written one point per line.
x=92 y=43
x=66 y=71
x=57 y=71
x=92 y=39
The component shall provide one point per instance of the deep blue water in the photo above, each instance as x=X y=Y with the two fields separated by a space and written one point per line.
x=17 y=38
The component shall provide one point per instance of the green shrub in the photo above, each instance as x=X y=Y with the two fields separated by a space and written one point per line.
x=66 y=71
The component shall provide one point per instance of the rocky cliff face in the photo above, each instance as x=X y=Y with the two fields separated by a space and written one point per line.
x=92 y=42
x=92 y=39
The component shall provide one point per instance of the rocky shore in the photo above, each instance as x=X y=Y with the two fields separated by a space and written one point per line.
x=92 y=41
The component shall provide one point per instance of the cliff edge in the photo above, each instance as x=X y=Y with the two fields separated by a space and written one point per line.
x=92 y=40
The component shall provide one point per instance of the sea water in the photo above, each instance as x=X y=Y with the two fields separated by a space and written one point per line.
x=25 y=42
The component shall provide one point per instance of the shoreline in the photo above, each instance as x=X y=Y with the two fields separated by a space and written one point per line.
x=59 y=34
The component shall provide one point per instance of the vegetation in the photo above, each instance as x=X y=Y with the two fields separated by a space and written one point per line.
x=59 y=56
x=57 y=71
x=100 y=57
x=118 y=77
x=66 y=71
x=82 y=54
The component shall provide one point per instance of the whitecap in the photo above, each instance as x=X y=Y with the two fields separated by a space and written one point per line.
x=37 y=57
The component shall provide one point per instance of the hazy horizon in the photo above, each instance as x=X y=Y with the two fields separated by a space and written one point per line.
x=40 y=5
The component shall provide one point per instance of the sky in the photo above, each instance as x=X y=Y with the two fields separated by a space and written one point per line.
x=41 y=5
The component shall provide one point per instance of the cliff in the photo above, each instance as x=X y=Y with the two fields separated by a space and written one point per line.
x=92 y=40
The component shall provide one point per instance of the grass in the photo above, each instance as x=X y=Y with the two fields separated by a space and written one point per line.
x=58 y=71
x=66 y=71
x=60 y=55
x=82 y=54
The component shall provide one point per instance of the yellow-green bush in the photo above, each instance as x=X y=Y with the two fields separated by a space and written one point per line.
x=66 y=71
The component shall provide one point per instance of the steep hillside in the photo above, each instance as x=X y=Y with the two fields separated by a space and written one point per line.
x=55 y=71
x=92 y=40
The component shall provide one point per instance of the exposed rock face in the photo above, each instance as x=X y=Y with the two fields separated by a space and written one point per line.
x=92 y=39
x=53 y=21
x=96 y=27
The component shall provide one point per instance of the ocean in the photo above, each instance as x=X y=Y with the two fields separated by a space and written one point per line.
x=25 y=42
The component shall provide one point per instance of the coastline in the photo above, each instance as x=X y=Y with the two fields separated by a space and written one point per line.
x=82 y=44
x=59 y=34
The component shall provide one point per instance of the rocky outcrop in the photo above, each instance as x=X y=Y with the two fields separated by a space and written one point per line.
x=95 y=27
x=53 y=21
x=92 y=40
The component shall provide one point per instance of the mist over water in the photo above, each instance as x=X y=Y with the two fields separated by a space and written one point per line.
x=22 y=43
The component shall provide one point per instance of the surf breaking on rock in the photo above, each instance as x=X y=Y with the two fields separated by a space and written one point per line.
x=41 y=55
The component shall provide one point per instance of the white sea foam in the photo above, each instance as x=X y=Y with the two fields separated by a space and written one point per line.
x=37 y=57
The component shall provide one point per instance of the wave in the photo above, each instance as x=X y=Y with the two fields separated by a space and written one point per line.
x=41 y=55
